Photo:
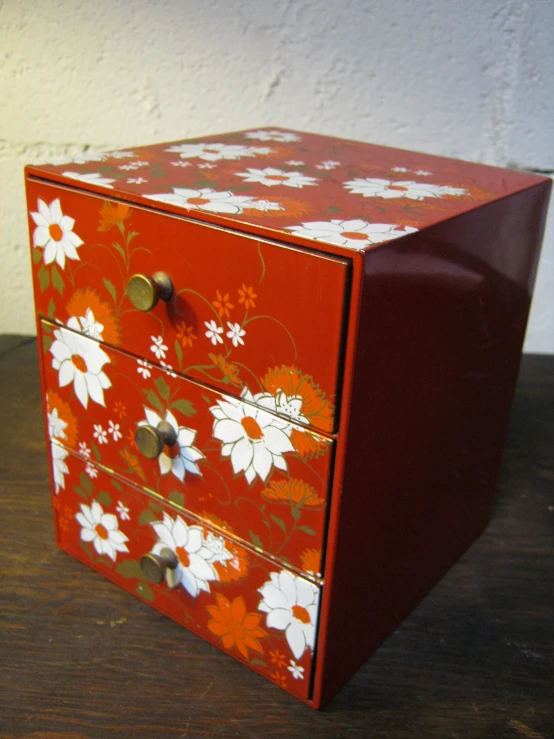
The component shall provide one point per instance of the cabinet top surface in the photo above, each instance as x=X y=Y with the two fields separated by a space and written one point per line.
x=293 y=186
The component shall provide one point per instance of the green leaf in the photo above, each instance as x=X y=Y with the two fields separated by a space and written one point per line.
x=176 y=497
x=146 y=517
x=279 y=521
x=104 y=498
x=43 y=278
x=153 y=399
x=110 y=288
x=206 y=399
x=184 y=406
x=295 y=512
x=36 y=255
x=86 y=482
x=179 y=352
x=145 y=591
x=255 y=539
x=131 y=235
x=57 y=280
x=47 y=342
x=95 y=451
x=306 y=530
x=80 y=492
x=256 y=661
x=117 y=485
x=162 y=388
x=85 y=548
x=51 y=308
x=155 y=506
x=130 y=568
x=120 y=250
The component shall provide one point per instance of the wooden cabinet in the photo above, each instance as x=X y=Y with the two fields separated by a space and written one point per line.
x=277 y=371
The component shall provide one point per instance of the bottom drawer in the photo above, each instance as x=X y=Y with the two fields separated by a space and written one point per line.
x=243 y=603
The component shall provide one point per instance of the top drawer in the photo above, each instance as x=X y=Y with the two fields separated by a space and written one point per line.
x=245 y=312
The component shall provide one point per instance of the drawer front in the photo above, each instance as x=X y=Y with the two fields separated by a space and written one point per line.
x=254 y=474
x=245 y=312
x=259 y=613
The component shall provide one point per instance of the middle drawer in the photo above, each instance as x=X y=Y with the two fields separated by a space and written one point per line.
x=251 y=473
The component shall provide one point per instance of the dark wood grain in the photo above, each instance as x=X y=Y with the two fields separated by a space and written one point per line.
x=81 y=658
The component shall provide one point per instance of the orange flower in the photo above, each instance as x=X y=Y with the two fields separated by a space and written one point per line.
x=131 y=439
x=112 y=214
x=311 y=560
x=120 y=409
x=134 y=464
x=278 y=659
x=292 y=491
x=219 y=522
x=230 y=371
x=222 y=304
x=185 y=334
x=85 y=300
x=235 y=626
x=64 y=413
x=315 y=406
x=279 y=678
x=247 y=296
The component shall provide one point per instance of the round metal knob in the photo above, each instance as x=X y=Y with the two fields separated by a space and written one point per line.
x=155 y=566
x=152 y=439
x=144 y=291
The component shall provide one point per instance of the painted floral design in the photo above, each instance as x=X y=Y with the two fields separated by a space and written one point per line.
x=215 y=152
x=92 y=178
x=211 y=200
x=59 y=466
x=102 y=530
x=292 y=491
x=254 y=440
x=183 y=456
x=194 y=571
x=353 y=234
x=54 y=233
x=272 y=135
x=372 y=187
x=270 y=176
x=92 y=317
x=236 y=627
x=291 y=605
x=62 y=423
x=80 y=361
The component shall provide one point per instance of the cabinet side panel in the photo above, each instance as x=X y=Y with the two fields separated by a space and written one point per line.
x=442 y=323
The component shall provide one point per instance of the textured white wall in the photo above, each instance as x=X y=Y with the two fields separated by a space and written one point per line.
x=472 y=79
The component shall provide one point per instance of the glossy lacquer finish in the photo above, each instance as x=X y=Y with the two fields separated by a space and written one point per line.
x=222 y=591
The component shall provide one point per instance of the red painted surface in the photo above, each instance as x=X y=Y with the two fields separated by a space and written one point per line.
x=382 y=332
x=106 y=514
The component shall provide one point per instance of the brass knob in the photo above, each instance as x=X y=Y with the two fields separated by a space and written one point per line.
x=144 y=291
x=152 y=439
x=155 y=566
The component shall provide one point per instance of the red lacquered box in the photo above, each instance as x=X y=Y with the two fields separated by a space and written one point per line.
x=277 y=372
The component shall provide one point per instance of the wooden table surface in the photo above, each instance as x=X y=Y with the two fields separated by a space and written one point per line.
x=81 y=658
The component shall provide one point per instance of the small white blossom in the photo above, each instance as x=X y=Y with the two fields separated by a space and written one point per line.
x=180 y=164
x=296 y=670
x=206 y=166
x=100 y=434
x=213 y=332
x=91 y=471
x=83 y=449
x=142 y=369
x=158 y=347
x=235 y=333
x=114 y=430
x=123 y=511
x=136 y=181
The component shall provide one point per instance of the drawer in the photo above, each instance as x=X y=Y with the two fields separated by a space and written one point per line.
x=251 y=473
x=243 y=603
x=245 y=312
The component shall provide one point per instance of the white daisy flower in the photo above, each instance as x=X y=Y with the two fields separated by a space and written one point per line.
x=180 y=164
x=213 y=152
x=91 y=471
x=213 y=332
x=235 y=333
x=99 y=434
x=422 y=172
x=254 y=440
x=182 y=456
x=158 y=348
x=59 y=466
x=399 y=169
x=92 y=178
x=329 y=164
x=291 y=604
x=206 y=166
x=122 y=511
x=86 y=325
x=297 y=671
x=54 y=233
x=102 y=529
x=295 y=163
x=281 y=136
x=194 y=570
x=56 y=425
x=113 y=429
x=353 y=234
x=271 y=177
x=80 y=361
x=143 y=368
x=371 y=187
x=205 y=199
